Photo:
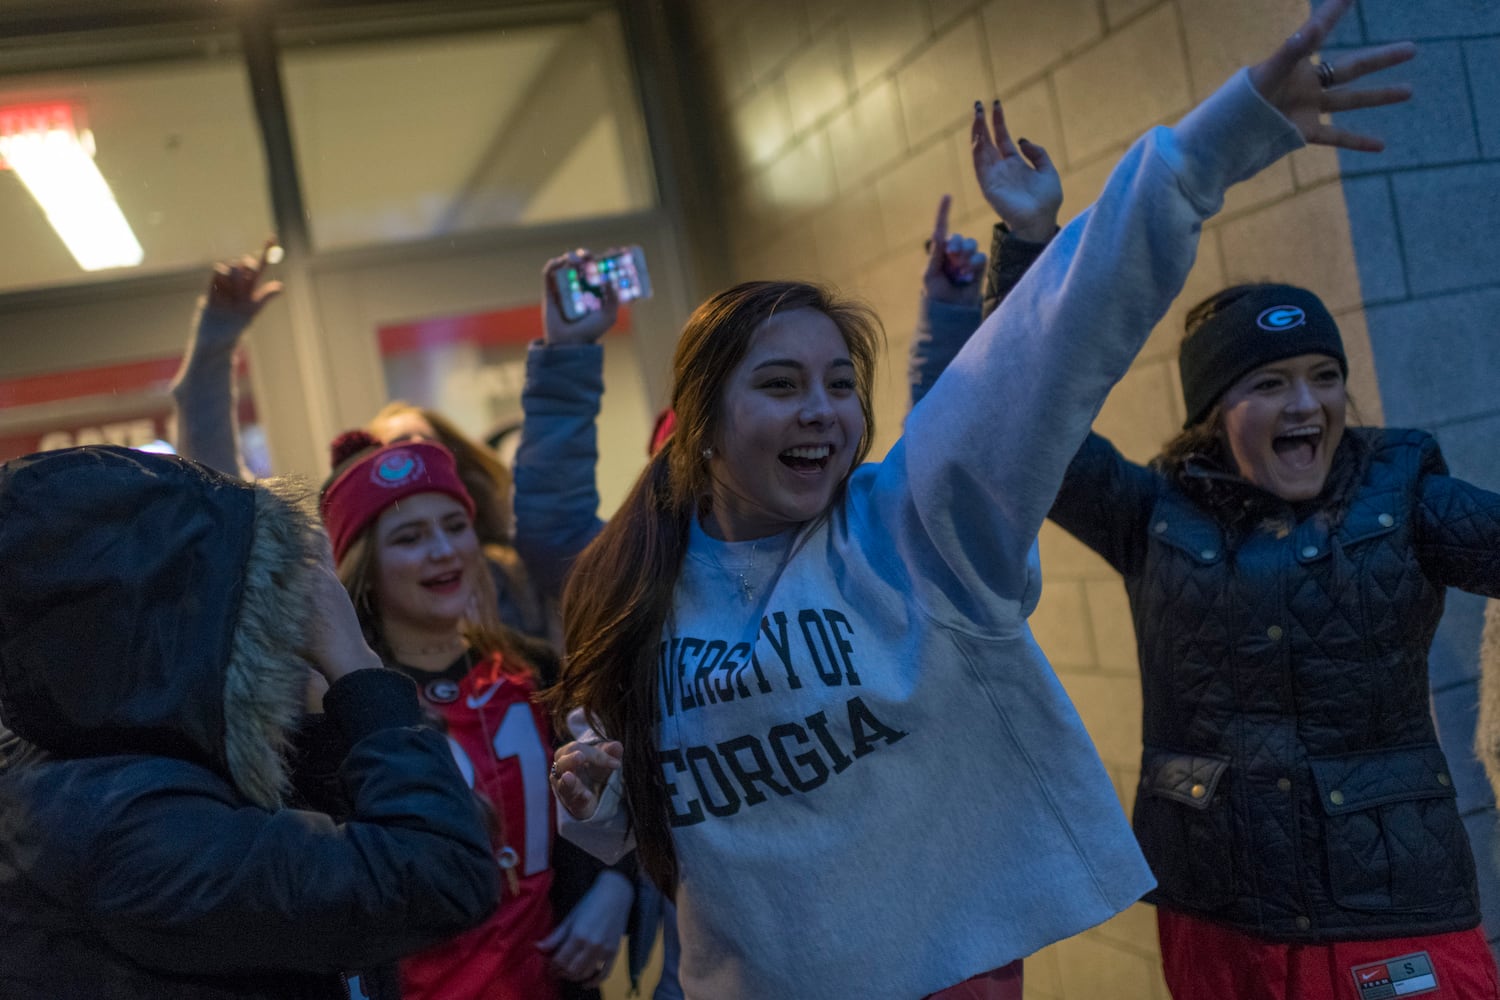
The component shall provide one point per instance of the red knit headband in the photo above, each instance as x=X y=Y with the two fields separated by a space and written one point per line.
x=385 y=476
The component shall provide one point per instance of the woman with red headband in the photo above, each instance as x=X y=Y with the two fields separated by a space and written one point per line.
x=203 y=394
x=402 y=528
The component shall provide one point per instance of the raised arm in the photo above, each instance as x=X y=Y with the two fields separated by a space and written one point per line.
x=1104 y=500
x=1020 y=182
x=950 y=304
x=986 y=453
x=203 y=391
x=557 y=495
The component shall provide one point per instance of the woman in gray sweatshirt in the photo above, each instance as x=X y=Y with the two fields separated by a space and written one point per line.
x=818 y=669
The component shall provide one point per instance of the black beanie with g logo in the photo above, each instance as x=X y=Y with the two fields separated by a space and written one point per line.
x=1265 y=324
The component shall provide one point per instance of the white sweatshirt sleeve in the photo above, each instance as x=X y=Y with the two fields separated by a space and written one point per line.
x=605 y=834
x=983 y=456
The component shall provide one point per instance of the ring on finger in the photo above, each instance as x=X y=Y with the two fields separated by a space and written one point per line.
x=1325 y=74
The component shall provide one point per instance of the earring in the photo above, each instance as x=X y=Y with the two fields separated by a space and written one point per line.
x=708 y=453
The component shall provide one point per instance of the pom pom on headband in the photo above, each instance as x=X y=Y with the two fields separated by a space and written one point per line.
x=380 y=478
x=349 y=444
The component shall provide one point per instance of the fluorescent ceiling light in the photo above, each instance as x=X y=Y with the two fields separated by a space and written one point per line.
x=60 y=173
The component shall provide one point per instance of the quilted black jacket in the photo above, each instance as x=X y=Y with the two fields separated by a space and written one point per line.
x=1291 y=783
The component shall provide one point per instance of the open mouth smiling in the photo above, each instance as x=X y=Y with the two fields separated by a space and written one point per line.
x=1299 y=446
x=444 y=582
x=807 y=458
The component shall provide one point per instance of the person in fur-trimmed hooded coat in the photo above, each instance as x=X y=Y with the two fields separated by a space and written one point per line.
x=1487 y=732
x=158 y=623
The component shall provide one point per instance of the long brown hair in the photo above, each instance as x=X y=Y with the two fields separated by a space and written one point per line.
x=620 y=591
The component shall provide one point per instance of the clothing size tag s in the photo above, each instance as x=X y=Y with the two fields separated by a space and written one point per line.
x=1407 y=976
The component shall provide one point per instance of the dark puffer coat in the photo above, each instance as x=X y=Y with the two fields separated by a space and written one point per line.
x=151 y=614
x=1291 y=784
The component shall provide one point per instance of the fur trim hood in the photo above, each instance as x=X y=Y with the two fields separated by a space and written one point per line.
x=1487 y=732
x=152 y=606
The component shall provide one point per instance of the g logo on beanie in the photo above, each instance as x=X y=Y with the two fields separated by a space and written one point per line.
x=1228 y=344
x=1281 y=318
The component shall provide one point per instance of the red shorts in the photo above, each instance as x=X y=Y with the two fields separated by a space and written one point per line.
x=997 y=984
x=1206 y=961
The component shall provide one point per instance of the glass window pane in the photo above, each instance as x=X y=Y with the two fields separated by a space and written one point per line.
x=421 y=137
x=173 y=143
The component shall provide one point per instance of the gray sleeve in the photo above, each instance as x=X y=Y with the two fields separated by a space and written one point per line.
x=606 y=835
x=942 y=330
x=204 y=396
x=557 y=495
x=984 y=455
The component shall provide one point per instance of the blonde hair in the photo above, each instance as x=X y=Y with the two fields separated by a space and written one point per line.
x=358 y=570
x=489 y=484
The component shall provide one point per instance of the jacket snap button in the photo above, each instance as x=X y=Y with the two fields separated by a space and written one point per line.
x=1336 y=797
x=1386 y=520
x=1197 y=791
x=1303 y=923
x=1284 y=784
x=1274 y=631
x=1159 y=527
x=1309 y=551
x=1444 y=780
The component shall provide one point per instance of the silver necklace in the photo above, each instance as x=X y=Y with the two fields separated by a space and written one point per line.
x=740 y=573
x=747 y=588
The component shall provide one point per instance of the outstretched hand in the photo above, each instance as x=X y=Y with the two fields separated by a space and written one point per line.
x=1018 y=180
x=954 y=263
x=236 y=287
x=587 y=329
x=1296 y=87
x=579 y=773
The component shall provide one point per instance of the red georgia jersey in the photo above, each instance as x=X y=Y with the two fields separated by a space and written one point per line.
x=502 y=743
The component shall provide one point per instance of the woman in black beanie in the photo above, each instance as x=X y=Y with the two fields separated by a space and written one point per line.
x=1286 y=574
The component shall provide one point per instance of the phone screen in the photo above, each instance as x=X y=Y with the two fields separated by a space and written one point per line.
x=581 y=289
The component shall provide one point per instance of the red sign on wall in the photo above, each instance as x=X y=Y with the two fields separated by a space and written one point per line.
x=126 y=404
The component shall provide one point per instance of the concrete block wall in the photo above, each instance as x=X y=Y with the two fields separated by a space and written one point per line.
x=838 y=124
x=1425 y=223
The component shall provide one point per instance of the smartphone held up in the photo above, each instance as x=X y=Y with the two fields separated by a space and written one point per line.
x=580 y=287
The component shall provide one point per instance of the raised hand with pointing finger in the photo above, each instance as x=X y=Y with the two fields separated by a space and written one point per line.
x=954 y=263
